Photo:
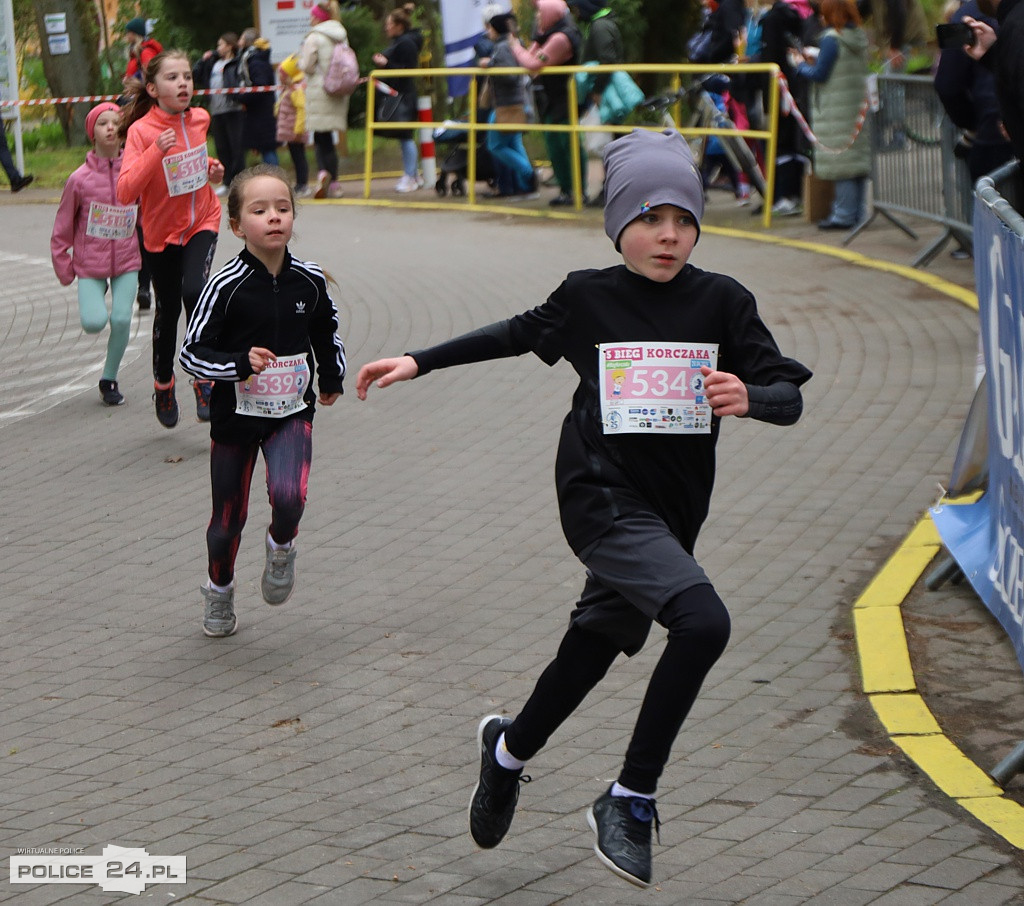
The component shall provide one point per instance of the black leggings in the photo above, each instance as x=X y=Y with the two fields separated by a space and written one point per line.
x=298 y=152
x=288 y=451
x=179 y=274
x=698 y=630
x=326 y=153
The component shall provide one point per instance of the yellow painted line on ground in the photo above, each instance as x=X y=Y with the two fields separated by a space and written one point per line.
x=891 y=689
x=884 y=658
x=965 y=296
x=1000 y=814
x=442 y=206
x=905 y=714
x=952 y=771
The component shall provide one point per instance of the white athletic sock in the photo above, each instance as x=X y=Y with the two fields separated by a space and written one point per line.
x=619 y=790
x=274 y=546
x=505 y=758
x=221 y=589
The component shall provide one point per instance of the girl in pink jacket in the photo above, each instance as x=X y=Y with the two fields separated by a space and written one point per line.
x=166 y=168
x=94 y=240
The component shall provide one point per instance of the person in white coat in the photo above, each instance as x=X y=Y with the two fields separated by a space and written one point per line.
x=325 y=114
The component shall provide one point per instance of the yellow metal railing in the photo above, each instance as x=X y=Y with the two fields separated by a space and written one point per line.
x=472 y=126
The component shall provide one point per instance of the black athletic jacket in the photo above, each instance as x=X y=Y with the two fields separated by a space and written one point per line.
x=244 y=305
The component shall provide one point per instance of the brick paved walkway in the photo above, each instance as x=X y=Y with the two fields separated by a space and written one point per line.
x=325 y=754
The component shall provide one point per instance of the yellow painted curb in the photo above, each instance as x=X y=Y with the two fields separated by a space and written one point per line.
x=441 y=206
x=952 y=771
x=905 y=714
x=1002 y=815
x=898 y=576
x=964 y=296
x=884 y=658
x=891 y=688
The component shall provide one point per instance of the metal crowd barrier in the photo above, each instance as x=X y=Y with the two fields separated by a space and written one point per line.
x=914 y=170
x=473 y=126
x=1002 y=192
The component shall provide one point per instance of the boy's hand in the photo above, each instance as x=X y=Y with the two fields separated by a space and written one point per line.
x=385 y=372
x=165 y=140
x=327 y=399
x=260 y=358
x=215 y=171
x=726 y=393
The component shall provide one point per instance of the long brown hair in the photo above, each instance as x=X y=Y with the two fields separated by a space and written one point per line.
x=139 y=100
x=839 y=13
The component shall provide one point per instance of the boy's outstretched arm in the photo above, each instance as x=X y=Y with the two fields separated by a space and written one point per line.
x=385 y=372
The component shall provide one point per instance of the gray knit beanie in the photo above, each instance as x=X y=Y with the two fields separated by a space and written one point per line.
x=645 y=169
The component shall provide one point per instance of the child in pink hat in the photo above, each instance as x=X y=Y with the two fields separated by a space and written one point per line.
x=94 y=240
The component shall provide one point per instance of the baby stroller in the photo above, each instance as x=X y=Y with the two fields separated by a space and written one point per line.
x=454 y=164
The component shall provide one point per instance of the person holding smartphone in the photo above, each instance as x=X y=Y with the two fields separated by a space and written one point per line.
x=967 y=91
x=1004 y=58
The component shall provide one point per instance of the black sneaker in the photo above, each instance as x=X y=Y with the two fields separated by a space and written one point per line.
x=144 y=300
x=494 y=799
x=202 y=389
x=22 y=182
x=561 y=200
x=623 y=828
x=166 y=405
x=111 y=395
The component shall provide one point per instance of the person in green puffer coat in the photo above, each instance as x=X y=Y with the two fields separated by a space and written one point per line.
x=839 y=78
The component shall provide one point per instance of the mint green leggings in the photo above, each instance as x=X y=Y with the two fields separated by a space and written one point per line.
x=92 y=306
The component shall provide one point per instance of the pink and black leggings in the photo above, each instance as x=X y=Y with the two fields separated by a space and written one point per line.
x=288 y=451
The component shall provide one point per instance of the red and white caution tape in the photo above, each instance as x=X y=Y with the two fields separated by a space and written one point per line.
x=96 y=98
x=788 y=105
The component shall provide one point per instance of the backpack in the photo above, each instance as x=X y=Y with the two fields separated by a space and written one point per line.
x=342 y=74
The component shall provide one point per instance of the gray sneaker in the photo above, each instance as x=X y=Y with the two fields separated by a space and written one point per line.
x=279 y=574
x=219 y=619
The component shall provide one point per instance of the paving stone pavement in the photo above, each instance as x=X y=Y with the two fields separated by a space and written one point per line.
x=325 y=754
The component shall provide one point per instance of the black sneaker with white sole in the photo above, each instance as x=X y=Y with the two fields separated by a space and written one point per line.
x=623 y=828
x=496 y=793
x=110 y=393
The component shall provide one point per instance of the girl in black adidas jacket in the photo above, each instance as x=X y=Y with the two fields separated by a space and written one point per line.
x=263 y=325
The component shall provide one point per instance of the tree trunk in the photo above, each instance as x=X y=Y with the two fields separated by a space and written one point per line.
x=70 y=57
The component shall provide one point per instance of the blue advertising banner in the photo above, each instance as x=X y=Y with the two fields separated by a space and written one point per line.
x=462 y=22
x=987 y=538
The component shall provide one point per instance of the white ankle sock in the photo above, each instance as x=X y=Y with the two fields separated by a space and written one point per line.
x=274 y=546
x=505 y=758
x=619 y=790
x=222 y=589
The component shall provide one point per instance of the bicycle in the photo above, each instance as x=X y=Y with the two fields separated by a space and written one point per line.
x=705 y=115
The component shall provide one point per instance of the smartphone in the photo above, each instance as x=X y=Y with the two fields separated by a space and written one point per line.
x=955 y=34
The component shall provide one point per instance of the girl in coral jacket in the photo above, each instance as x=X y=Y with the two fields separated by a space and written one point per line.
x=166 y=168
x=94 y=240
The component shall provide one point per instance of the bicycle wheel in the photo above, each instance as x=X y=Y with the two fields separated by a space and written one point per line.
x=739 y=153
x=741 y=157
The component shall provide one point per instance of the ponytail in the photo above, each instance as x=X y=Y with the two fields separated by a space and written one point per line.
x=139 y=102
